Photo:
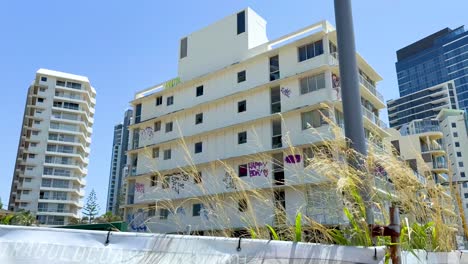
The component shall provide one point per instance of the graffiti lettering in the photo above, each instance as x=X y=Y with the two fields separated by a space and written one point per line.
x=258 y=168
x=286 y=91
x=137 y=221
x=139 y=187
x=229 y=181
x=293 y=158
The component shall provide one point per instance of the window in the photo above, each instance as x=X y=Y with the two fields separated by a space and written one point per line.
x=157 y=126
x=183 y=48
x=196 y=209
x=313 y=119
x=274 y=68
x=137 y=113
x=27 y=180
x=155 y=153
x=163 y=213
x=312 y=83
x=40 y=100
x=151 y=211
x=33 y=144
x=308 y=156
x=454 y=124
x=310 y=50
x=37 y=122
x=242 y=170
x=169 y=127
x=275 y=98
x=154 y=181
x=198 y=147
x=459 y=154
x=455 y=134
x=198 y=118
x=25 y=192
x=276 y=136
x=460 y=164
x=60 y=83
x=199 y=90
x=242 y=106
x=43 y=79
x=462 y=174
x=242 y=205
x=31 y=156
x=197 y=178
x=159 y=100
x=242 y=137
x=29 y=168
x=241 y=76
x=35 y=133
x=465 y=185
x=457 y=144
x=240 y=22
x=167 y=154
x=466 y=195
x=170 y=100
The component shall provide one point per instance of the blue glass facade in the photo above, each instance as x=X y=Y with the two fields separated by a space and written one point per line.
x=438 y=58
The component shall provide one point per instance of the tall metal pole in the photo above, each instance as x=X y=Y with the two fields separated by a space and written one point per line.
x=351 y=96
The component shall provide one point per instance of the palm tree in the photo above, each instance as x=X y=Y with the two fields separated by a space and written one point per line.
x=24 y=218
x=108 y=217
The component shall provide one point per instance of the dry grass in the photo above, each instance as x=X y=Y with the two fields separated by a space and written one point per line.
x=327 y=173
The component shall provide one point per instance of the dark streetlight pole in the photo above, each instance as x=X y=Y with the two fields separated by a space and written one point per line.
x=351 y=95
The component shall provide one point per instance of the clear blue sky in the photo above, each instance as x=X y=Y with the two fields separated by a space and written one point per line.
x=126 y=46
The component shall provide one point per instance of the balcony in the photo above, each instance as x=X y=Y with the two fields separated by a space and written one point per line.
x=373 y=118
x=433 y=149
x=439 y=167
x=370 y=88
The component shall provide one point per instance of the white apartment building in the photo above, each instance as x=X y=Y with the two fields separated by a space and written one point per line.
x=54 y=145
x=453 y=125
x=422 y=149
x=239 y=102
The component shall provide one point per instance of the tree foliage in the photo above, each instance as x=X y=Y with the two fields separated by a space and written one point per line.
x=91 y=208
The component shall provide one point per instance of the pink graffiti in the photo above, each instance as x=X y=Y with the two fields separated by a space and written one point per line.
x=140 y=187
x=258 y=168
x=293 y=158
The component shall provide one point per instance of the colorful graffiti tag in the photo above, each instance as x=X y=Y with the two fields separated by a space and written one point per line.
x=139 y=187
x=258 y=168
x=136 y=221
x=293 y=158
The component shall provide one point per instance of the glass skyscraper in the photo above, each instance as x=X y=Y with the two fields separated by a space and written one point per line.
x=438 y=58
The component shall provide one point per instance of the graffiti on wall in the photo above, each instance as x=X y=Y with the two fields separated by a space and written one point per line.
x=258 y=168
x=229 y=182
x=286 y=91
x=136 y=221
x=208 y=212
x=293 y=158
x=146 y=133
x=177 y=181
x=139 y=187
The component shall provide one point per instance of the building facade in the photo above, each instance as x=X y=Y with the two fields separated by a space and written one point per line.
x=118 y=163
x=453 y=125
x=422 y=104
x=421 y=146
x=433 y=60
x=238 y=105
x=54 y=145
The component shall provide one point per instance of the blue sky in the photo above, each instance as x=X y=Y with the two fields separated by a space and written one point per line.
x=126 y=46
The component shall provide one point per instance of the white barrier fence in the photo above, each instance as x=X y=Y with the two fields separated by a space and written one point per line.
x=50 y=245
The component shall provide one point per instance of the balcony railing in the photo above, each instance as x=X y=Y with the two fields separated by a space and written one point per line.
x=425 y=148
x=374 y=118
x=439 y=165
